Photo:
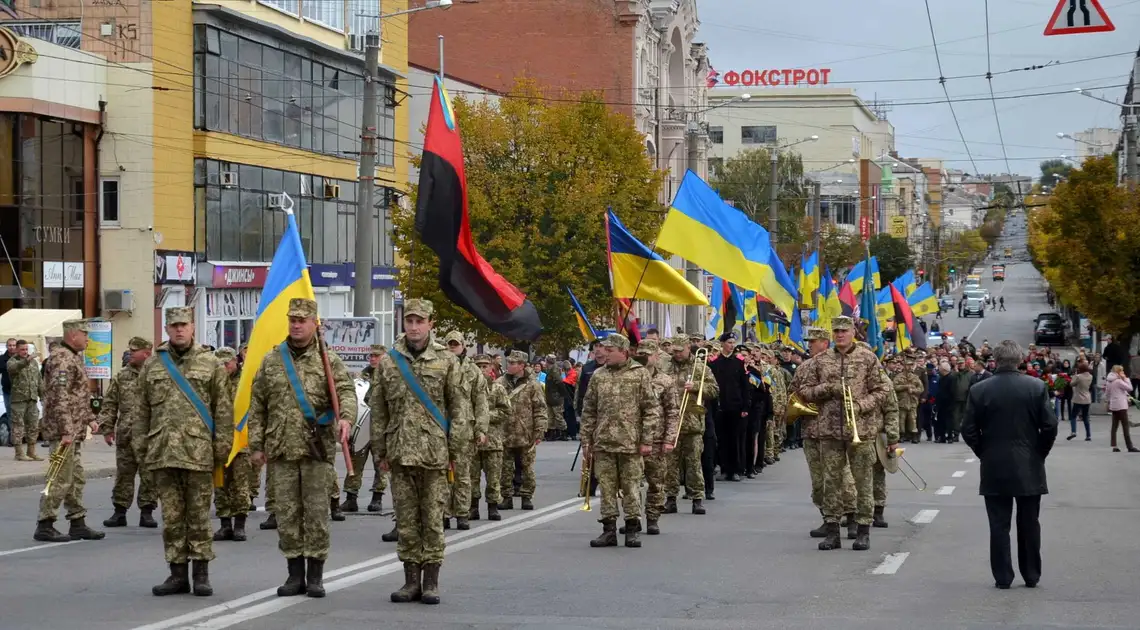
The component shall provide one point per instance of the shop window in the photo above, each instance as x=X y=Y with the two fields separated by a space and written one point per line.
x=109 y=201
x=716 y=135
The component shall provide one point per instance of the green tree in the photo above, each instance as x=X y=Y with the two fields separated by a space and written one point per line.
x=839 y=249
x=1086 y=243
x=541 y=173
x=744 y=181
x=961 y=250
x=893 y=254
x=1004 y=195
x=1049 y=168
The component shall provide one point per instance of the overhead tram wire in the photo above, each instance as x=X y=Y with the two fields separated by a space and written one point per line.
x=942 y=82
x=993 y=101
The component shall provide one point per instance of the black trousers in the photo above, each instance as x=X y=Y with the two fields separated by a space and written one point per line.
x=731 y=433
x=999 y=510
x=944 y=415
x=750 y=444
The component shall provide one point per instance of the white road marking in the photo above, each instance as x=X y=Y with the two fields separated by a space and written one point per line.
x=971 y=460
x=12 y=552
x=276 y=605
x=891 y=564
x=924 y=516
x=958 y=474
x=945 y=490
x=453 y=543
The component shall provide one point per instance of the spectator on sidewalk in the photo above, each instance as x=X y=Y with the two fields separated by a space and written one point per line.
x=1114 y=355
x=5 y=380
x=1082 y=400
x=1116 y=390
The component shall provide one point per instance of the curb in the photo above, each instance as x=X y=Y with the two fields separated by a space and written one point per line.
x=39 y=479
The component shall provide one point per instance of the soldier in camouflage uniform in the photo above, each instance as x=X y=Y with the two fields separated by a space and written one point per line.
x=621 y=417
x=822 y=385
x=890 y=413
x=231 y=501
x=115 y=417
x=555 y=391
x=664 y=440
x=523 y=430
x=183 y=429
x=487 y=461
x=908 y=387
x=353 y=482
x=417 y=397
x=469 y=429
x=690 y=445
x=67 y=416
x=779 y=380
x=25 y=417
x=296 y=433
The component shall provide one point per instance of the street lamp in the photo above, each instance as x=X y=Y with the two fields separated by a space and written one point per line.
x=1096 y=147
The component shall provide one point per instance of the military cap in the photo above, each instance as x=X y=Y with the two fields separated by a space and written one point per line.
x=138 y=343
x=619 y=342
x=455 y=336
x=180 y=315
x=648 y=346
x=728 y=336
x=225 y=354
x=814 y=333
x=842 y=322
x=419 y=307
x=302 y=307
x=680 y=342
x=483 y=359
x=666 y=341
x=517 y=356
x=378 y=348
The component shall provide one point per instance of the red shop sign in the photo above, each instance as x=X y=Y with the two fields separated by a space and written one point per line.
x=775 y=77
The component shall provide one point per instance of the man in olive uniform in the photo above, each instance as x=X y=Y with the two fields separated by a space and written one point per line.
x=416 y=397
x=115 y=415
x=487 y=461
x=67 y=416
x=856 y=366
x=292 y=427
x=664 y=440
x=776 y=427
x=908 y=388
x=470 y=427
x=686 y=457
x=25 y=417
x=890 y=414
x=555 y=391
x=183 y=429
x=231 y=501
x=522 y=431
x=363 y=450
x=621 y=417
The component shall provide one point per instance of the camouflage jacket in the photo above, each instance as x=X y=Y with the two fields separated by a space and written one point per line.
x=498 y=411
x=527 y=421
x=670 y=409
x=473 y=412
x=276 y=425
x=402 y=430
x=166 y=431
x=120 y=401
x=621 y=411
x=67 y=398
x=694 y=421
x=781 y=380
x=908 y=388
x=26 y=381
x=819 y=381
x=234 y=381
x=890 y=418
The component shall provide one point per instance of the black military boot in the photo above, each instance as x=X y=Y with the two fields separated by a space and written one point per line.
x=201 y=578
x=146 y=518
x=527 y=504
x=698 y=506
x=411 y=590
x=508 y=503
x=821 y=531
x=461 y=523
x=334 y=509
x=295 y=583
x=315 y=578
x=862 y=539
x=118 y=519
x=877 y=518
x=446 y=522
x=632 y=532
x=80 y=531
x=226 y=531
x=431 y=584
x=831 y=539
x=852 y=527
x=377 y=502
x=473 y=513
x=651 y=526
x=239 y=528
x=609 y=534
x=177 y=584
x=269 y=523
x=46 y=533
x=392 y=536
x=349 y=504
x=670 y=505
x=493 y=512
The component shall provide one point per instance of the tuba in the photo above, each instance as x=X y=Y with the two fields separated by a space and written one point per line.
x=797 y=409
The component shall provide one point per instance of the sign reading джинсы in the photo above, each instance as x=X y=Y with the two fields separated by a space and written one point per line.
x=787 y=77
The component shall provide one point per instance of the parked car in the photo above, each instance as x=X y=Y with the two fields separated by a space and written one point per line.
x=1042 y=317
x=946 y=302
x=1049 y=332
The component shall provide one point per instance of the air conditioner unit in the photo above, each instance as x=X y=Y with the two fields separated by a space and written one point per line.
x=229 y=179
x=118 y=300
x=332 y=191
x=356 y=42
x=276 y=201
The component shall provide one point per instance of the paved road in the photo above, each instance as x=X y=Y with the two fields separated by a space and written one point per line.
x=748 y=564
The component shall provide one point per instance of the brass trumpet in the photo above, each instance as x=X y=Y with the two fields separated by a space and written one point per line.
x=55 y=464
x=849 y=411
x=584 y=484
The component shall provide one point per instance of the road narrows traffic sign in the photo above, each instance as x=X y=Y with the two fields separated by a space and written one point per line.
x=1072 y=17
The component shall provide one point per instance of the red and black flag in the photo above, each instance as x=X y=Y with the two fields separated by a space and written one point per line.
x=442 y=224
x=847 y=300
x=905 y=323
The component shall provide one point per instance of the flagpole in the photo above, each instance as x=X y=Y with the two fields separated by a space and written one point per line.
x=609 y=262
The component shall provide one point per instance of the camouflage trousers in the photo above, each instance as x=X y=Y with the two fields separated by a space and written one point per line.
x=557 y=417
x=301 y=503
x=67 y=487
x=334 y=485
x=25 y=422
x=419 y=496
x=619 y=471
x=232 y=499
x=353 y=482
x=184 y=496
x=879 y=484
x=255 y=483
x=813 y=453
x=837 y=456
x=507 y=474
x=489 y=465
x=126 y=467
x=687 y=458
x=459 y=499
x=656 y=467
x=770 y=436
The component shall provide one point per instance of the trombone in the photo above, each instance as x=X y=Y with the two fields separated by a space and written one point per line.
x=849 y=410
x=700 y=358
x=899 y=454
x=55 y=464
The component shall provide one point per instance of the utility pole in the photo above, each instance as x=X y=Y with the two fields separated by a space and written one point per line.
x=816 y=217
x=692 y=273
x=365 y=226
x=773 y=192
x=1131 y=128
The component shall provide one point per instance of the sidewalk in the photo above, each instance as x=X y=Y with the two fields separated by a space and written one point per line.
x=98 y=461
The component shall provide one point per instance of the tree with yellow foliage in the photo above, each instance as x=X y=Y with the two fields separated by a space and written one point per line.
x=541 y=171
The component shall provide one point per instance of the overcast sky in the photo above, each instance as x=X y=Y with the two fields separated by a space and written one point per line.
x=869 y=41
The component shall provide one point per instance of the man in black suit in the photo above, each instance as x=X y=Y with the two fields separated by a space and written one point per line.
x=732 y=420
x=1011 y=427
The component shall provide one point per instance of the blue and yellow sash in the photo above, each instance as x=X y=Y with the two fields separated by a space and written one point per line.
x=307 y=410
x=417 y=389
x=183 y=386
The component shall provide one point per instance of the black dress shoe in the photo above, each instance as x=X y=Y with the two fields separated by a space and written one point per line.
x=1032 y=584
x=1004 y=587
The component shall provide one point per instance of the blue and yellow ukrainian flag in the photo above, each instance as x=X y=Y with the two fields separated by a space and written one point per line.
x=923 y=301
x=868 y=307
x=858 y=273
x=906 y=283
x=884 y=309
x=639 y=273
x=829 y=304
x=288 y=278
x=584 y=325
x=809 y=278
